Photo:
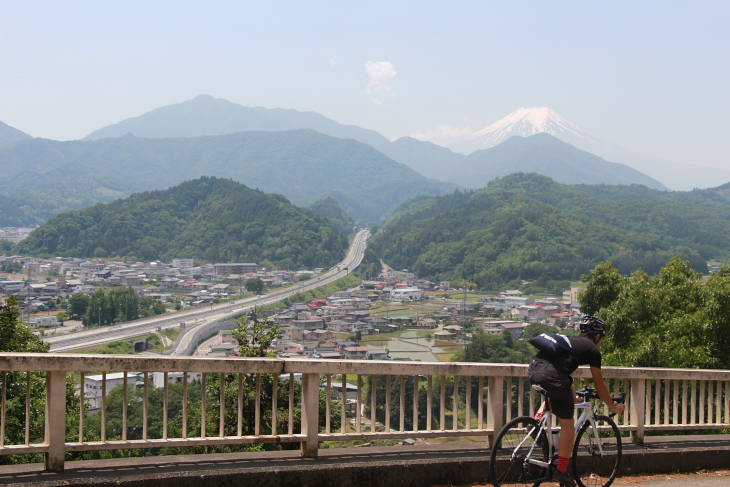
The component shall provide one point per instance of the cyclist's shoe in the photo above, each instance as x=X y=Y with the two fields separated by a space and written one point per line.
x=563 y=478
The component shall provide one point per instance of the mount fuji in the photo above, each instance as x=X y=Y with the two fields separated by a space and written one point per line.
x=530 y=121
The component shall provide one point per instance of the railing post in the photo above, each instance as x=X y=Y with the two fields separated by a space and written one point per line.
x=638 y=404
x=495 y=407
x=310 y=414
x=55 y=436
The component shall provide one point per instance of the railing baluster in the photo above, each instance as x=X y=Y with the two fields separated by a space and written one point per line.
x=27 y=408
x=694 y=402
x=415 y=403
x=358 y=418
x=442 y=415
x=480 y=404
x=185 y=406
x=82 y=381
x=274 y=397
x=685 y=402
x=125 y=407
x=240 y=404
x=402 y=403
x=387 y=403
x=203 y=403
x=328 y=408
x=257 y=407
x=627 y=390
x=455 y=423
x=667 y=383
x=429 y=401
x=373 y=393
x=675 y=403
x=144 y=406
x=2 y=410
x=103 y=407
x=727 y=402
x=508 y=399
x=343 y=404
x=520 y=396
x=222 y=405
x=164 y=405
x=657 y=401
x=647 y=402
x=467 y=413
x=291 y=403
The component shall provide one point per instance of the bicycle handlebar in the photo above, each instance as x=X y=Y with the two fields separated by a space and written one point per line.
x=590 y=393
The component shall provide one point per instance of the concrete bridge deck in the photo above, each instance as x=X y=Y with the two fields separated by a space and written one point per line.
x=407 y=466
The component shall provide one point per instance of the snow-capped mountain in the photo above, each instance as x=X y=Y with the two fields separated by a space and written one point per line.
x=524 y=123
x=530 y=121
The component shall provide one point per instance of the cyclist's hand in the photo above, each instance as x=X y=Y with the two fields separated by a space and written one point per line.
x=618 y=408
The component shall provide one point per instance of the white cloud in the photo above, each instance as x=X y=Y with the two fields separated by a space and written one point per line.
x=443 y=135
x=380 y=74
x=333 y=61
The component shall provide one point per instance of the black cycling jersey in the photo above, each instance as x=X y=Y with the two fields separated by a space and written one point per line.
x=586 y=353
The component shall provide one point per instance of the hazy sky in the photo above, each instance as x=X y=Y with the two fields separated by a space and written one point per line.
x=649 y=76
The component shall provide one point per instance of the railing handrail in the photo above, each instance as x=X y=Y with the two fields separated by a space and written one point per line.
x=22 y=362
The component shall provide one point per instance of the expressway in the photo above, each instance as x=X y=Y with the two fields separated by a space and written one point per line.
x=192 y=318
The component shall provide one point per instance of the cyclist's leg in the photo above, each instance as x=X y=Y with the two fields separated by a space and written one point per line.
x=567 y=437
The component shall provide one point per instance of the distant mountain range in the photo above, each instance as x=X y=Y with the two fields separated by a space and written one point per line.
x=205 y=115
x=10 y=135
x=303 y=165
x=526 y=122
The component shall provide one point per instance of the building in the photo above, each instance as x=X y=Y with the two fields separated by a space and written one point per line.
x=183 y=263
x=93 y=385
x=225 y=269
x=406 y=294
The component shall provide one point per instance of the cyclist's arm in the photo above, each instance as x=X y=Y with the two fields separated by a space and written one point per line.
x=603 y=392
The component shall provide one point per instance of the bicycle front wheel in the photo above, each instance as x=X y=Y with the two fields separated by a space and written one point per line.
x=516 y=447
x=597 y=453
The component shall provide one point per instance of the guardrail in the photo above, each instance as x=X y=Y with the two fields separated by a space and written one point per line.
x=450 y=400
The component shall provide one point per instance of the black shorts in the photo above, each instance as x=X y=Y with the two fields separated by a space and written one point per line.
x=558 y=385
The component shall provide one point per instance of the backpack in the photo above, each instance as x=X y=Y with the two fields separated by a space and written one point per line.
x=552 y=344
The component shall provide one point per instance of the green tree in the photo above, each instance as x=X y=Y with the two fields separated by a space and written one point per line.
x=255 y=285
x=673 y=319
x=78 y=304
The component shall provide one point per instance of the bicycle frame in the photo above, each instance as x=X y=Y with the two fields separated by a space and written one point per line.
x=586 y=415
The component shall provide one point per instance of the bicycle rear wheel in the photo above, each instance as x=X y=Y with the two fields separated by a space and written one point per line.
x=595 y=466
x=515 y=445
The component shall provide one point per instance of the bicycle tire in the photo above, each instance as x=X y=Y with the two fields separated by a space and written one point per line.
x=590 y=467
x=507 y=465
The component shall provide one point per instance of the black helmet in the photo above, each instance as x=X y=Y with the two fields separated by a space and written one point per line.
x=590 y=325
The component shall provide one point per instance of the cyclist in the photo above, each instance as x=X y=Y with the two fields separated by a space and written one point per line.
x=552 y=373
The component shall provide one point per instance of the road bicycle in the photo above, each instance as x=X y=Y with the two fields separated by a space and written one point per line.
x=525 y=451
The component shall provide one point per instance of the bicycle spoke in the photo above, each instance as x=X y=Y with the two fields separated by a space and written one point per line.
x=516 y=447
x=597 y=453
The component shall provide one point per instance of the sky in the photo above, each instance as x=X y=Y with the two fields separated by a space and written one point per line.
x=652 y=77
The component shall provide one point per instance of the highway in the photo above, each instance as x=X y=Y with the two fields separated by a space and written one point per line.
x=192 y=318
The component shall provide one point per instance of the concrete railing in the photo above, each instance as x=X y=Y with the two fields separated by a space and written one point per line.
x=483 y=397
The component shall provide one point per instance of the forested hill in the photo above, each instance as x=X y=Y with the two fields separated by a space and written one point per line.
x=330 y=209
x=528 y=227
x=212 y=219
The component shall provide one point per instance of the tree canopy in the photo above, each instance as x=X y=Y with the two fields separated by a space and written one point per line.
x=672 y=319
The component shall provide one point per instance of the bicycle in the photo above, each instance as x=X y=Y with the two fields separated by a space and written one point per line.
x=525 y=452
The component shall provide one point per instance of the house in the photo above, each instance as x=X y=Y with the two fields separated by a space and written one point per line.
x=317 y=335
x=357 y=353
x=406 y=294
x=530 y=313
x=444 y=335
x=226 y=269
x=516 y=328
x=376 y=354
x=336 y=388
